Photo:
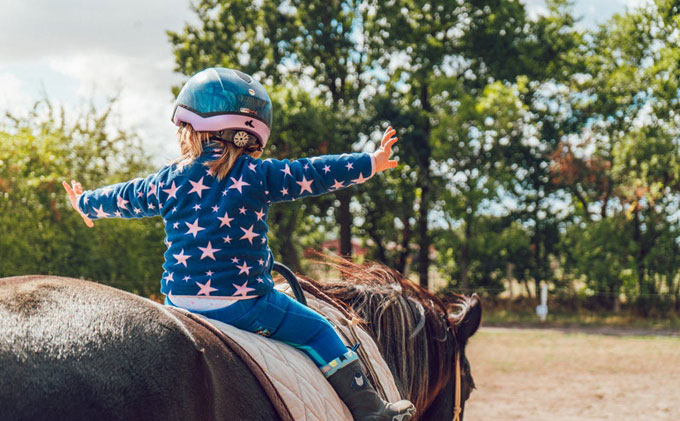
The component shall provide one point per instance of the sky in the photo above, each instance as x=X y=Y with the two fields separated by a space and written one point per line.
x=74 y=51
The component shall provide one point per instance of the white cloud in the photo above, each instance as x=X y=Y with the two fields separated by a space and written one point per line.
x=142 y=86
x=44 y=28
x=77 y=51
x=13 y=94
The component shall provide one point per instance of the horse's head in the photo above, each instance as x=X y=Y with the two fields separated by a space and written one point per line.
x=419 y=336
x=463 y=318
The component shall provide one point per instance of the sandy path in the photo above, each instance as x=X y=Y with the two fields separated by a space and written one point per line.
x=536 y=374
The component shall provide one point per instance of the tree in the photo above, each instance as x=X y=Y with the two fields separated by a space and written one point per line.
x=40 y=233
x=621 y=158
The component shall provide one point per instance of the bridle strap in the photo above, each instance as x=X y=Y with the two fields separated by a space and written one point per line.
x=457 y=409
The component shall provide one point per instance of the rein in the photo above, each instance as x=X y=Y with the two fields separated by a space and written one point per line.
x=457 y=395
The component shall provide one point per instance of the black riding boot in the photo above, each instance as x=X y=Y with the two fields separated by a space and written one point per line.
x=363 y=401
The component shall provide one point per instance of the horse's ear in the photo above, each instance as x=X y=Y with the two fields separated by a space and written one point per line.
x=470 y=323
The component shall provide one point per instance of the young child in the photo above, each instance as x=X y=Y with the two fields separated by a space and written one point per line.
x=214 y=202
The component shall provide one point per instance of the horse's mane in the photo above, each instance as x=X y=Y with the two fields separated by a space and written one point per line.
x=409 y=323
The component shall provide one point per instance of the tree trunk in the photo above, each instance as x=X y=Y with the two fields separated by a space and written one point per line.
x=465 y=259
x=406 y=235
x=371 y=227
x=425 y=199
x=345 y=221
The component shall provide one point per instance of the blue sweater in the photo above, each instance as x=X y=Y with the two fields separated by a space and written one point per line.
x=216 y=230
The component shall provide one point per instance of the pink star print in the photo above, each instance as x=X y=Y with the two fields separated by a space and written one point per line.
x=101 y=214
x=337 y=184
x=360 y=180
x=152 y=189
x=326 y=169
x=168 y=278
x=349 y=166
x=208 y=251
x=242 y=210
x=181 y=258
x=249 y=234
x=252 y=166
x=284 y=191
x=194 y=228
x=226 y=220
x=198 y=187
x=305 y=185
x=122 y=202
x=234 y=260
x=227 y=239
x=244 y=268
x=259 y=215
x=238 y=184
x=286 y=170
x=172 y=191
x=106 y=191
x=206 y=289
x=118 y=214
x=242 y=290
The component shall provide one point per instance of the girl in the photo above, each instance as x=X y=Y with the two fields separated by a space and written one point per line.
x=214 y=202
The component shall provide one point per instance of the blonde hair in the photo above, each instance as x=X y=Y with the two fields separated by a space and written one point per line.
x=191 y=145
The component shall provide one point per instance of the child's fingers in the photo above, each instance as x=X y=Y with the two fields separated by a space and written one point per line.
x=68 y=189
x=387 y=136
x=390 y=143
x=87 y=220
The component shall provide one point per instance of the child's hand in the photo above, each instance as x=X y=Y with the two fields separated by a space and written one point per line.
x=382 y=155
x=73 y=194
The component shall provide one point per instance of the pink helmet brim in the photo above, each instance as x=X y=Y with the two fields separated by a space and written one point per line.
x=222 y=122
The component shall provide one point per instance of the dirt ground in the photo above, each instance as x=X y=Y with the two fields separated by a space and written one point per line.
x=543 y=374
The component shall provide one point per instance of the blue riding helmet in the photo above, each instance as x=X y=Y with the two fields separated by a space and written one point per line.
x=218 y=99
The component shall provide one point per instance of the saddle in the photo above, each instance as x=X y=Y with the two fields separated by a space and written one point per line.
x=296 y=387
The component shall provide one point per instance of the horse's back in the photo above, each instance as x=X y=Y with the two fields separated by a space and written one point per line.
x=71 y=349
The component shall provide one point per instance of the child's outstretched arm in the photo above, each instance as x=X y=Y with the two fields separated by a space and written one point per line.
x=133 y=199
x=289 y=180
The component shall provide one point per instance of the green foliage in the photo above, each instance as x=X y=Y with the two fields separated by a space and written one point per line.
x=529 y=149
x=39 y=231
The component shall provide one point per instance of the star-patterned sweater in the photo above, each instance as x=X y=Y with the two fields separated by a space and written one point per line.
x=216 y=230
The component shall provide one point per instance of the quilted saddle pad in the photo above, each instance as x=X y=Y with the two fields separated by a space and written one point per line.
x=301 y=385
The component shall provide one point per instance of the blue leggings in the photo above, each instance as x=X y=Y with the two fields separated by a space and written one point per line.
x=280 y=317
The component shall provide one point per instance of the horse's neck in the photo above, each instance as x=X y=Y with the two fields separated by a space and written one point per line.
x=412 y=360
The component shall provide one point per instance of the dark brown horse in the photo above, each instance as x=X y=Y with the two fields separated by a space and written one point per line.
x=77 y=350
